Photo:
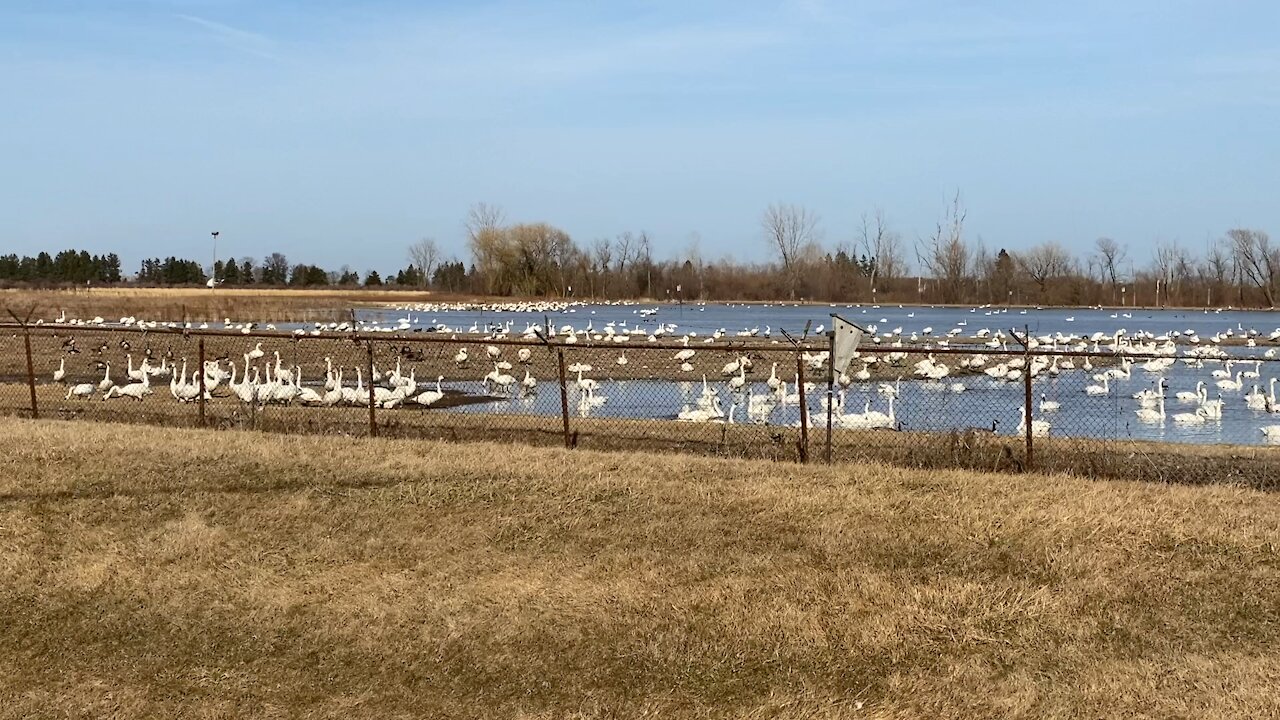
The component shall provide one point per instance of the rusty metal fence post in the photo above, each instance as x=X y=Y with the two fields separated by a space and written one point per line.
x=31 y=372
x=1026 y=398
x=804 y=410
x=201 y=369
x=564 y=398
x=1026 y=382
x=831 y=387
x=373 y=419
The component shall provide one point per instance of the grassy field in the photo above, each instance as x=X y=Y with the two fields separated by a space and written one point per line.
x=166 y=573
x=202 y=304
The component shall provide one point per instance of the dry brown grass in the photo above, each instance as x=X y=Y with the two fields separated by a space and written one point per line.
x=201 y=304
x=172 y=573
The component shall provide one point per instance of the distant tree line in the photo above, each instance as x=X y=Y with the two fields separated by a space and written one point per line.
x=68 y=266
x=872 y=264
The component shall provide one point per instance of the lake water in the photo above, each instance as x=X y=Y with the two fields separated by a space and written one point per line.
x=921 y=406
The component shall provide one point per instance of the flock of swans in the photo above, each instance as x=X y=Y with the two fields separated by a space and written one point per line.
x=968 y=360
x=263 y=378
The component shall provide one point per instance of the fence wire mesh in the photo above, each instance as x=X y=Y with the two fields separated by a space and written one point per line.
x=1202 y=414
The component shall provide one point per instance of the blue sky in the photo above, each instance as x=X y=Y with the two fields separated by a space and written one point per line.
x=341 y=132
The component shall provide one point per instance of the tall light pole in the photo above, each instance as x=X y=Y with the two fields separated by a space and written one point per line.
x=214 y=268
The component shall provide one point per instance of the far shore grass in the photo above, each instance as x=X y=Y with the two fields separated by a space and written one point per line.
x=197 y=304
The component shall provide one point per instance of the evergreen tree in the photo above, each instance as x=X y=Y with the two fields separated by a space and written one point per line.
x=230 y=273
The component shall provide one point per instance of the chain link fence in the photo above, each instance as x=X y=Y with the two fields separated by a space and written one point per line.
x=1202 y=415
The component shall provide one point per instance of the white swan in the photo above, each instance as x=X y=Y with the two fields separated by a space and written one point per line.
x=105 y=383
x=737 y=382
x=1186 y=396
x=1096 y=390
x=1047 y=405
x=1039 y=428
x=701 y=415
x=1255 y=400
x=1213 y=408
x=774 y=381
x=431 y=397
x=1156 y=414
x=1236 y=384
x=134 y=390
x=1191 y=418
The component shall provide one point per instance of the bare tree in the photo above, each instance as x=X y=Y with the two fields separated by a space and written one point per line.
x=625 y=247
x=1257 y=261
x=482 y=217
x=1045 y=262
x=789 y=229
x=489 y=245
x=1109 y=254
x=601 y=257
x=424 y=255
x=275 y=269
x=539 y=256
x=883 y=247
x=1171 y=264
x=944 y=254
x=1217 y=267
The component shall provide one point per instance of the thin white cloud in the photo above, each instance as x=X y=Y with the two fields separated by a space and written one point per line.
x=235 y=38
